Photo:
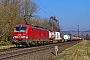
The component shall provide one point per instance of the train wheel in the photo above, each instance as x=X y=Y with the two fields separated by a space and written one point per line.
x=47 y=42
x=55 y=41
x=41 y=43
x=25 y=45
x=17 y=45
x=66 y=40
x=62 y=40
x=36 y=44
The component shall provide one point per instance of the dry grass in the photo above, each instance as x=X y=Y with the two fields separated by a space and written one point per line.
x=80 y=51
x=6 y=47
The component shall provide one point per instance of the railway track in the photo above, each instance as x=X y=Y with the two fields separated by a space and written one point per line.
x=11 y=53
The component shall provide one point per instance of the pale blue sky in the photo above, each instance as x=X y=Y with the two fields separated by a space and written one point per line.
x=70 y=13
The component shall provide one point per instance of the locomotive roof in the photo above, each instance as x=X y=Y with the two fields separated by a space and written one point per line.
x=41 y=28
x=25 y=25
x=22 y=25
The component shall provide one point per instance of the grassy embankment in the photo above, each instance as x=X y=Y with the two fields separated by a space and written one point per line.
x=6 y=45
x=80 y=51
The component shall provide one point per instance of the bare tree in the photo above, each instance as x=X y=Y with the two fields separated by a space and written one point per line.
x=13 y=12
x=9 y=16
x=27 y=9
x=45 y=23
x=54 y=23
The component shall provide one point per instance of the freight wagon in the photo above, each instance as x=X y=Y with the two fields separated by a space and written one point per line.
x=66 y=37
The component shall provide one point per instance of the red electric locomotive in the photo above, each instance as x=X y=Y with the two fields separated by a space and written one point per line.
x=28 y=34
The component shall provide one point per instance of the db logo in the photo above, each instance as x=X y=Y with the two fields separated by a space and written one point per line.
x=19 y=35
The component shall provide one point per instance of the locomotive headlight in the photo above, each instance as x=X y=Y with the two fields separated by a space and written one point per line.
x=13 y=37
x=26 y=37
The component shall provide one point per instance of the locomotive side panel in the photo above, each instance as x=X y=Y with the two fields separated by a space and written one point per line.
x=47 y=35
x=30 y=33
x=42 y=34
x=36 y=34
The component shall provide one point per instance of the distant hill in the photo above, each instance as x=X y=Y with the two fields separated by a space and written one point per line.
x=73 y=32
x=87 y=31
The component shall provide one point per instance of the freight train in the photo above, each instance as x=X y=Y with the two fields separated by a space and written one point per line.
x=28 y=35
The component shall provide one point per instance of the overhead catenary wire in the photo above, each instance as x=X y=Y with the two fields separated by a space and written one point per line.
x=52 y=13
x=46 y=7
x=42 y=9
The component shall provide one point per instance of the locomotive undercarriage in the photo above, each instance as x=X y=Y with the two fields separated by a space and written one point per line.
x=20 y=42
x=34 y=42
x=30 y=42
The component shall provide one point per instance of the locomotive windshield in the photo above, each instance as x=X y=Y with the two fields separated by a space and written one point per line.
x=20 y=29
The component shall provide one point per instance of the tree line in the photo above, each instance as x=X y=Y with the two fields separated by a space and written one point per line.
x=14 y=12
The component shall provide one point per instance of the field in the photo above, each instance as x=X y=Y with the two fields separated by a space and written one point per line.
x=80 y=51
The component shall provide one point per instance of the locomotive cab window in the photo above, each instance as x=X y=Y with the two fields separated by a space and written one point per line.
x=20 y=29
